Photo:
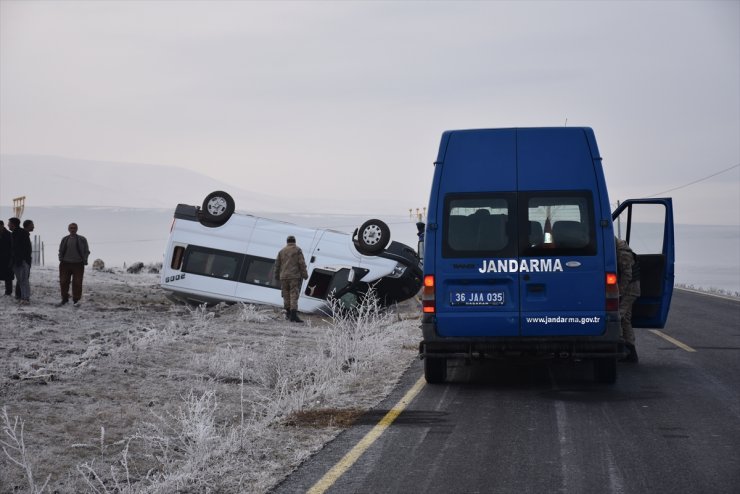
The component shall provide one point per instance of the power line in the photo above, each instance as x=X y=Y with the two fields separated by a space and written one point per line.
x=696 y=181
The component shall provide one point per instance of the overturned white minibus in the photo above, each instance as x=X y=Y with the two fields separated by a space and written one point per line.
x=216 y=255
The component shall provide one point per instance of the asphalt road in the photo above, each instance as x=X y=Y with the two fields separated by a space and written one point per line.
x=671 y=424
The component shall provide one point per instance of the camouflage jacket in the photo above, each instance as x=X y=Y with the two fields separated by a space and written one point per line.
x=290 y=263
x=625 y=261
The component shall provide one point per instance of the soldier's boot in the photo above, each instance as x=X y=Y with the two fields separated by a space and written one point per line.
x=287 y=315
x=632 y=355
x=294 y=316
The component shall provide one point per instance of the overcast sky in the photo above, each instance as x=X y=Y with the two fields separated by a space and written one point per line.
x=349 y=99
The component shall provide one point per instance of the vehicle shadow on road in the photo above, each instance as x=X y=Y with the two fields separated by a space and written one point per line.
x=556 y=380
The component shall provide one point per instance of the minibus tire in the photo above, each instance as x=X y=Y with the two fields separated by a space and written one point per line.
x=605 y=370
x=435 y=370
x=372 y=237
x=217 y=208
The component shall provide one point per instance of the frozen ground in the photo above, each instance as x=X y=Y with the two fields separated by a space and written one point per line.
x=130 y=393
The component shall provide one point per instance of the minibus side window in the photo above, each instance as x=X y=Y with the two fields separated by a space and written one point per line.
x=480 y=225
x=557 y=223
x=211 y=262
x=260 y=271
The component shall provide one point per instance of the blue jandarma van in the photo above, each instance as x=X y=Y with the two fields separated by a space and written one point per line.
x=519 y=252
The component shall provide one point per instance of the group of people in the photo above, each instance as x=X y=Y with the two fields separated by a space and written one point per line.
x=16 y=259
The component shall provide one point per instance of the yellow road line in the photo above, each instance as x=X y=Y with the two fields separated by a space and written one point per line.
x=350 y=458
x=672 y=340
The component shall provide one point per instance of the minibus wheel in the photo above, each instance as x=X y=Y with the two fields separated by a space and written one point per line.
x=372 y=237
x=218 y=207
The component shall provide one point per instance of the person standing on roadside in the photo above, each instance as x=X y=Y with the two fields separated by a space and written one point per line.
x=6 y=268
x=290 y=270
x=73 y=254
x=21 y=255
x=628 y=269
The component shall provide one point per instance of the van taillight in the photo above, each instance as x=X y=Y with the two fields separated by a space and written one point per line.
x=612 y=293
x=427 y=294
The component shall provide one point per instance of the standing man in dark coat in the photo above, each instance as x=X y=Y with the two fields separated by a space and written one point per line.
x=6 y=269
x=22 y=252
x=73 y=254
x=290 y=270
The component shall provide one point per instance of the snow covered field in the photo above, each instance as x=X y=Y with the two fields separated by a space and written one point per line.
x=132 y=393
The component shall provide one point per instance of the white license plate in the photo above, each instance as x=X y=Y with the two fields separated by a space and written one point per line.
x=477 y=297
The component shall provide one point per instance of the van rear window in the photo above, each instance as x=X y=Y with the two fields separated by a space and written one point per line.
x=480 y=225
x=524 y=224
x=557 y=223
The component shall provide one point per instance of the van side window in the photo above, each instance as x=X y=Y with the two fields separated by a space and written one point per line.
x=212 y=262
x=260 y=271
x=480 y=226
x=558 y=224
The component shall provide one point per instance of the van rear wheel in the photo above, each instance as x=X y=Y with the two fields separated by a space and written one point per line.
x=218 y=207
x=605 y=370
x=435 y=370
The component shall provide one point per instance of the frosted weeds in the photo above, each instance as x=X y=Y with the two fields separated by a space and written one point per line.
x=149 y=397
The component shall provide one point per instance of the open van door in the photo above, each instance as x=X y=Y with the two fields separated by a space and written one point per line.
x=647 y=226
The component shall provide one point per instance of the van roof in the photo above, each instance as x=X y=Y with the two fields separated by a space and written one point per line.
x=527 y=158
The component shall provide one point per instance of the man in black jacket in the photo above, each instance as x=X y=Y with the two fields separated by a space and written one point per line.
x=6 y=269
x=21 y=256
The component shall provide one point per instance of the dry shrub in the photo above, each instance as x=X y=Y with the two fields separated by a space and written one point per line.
x=14 y=447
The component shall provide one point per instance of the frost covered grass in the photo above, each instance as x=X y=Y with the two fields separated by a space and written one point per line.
x=14 y=446
x=161 y=398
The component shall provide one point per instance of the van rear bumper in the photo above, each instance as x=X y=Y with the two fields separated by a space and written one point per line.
x=606 y=345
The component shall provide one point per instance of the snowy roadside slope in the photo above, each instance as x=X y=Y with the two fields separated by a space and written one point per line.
x=153 y=395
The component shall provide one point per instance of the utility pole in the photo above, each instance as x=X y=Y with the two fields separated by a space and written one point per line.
x=19 y=204
x=420 y=215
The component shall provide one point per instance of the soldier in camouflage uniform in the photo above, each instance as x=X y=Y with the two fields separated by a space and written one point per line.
x=629 y=291
x=290 y=270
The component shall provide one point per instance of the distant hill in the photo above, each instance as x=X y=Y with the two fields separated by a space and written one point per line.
x=56 y=181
